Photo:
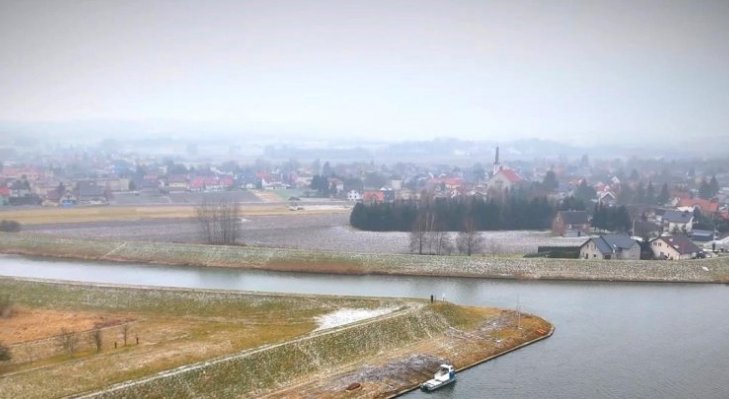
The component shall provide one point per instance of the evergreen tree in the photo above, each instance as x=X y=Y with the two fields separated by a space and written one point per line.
x=664 y=196
x=585 y=192
x=598 y=217
x=650 y=195
x=640 y=194
x=327 y=170
x=705 y=190
x=550 y=181
x=622 y=221
x=714 y=186
x=585 y=161
x=626 y=195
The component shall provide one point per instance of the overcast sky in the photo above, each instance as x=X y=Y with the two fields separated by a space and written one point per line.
x=613 y=70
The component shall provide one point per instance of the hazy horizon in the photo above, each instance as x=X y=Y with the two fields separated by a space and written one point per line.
x=582 y=71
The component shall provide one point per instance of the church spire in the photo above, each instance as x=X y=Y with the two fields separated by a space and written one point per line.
x=497 y=165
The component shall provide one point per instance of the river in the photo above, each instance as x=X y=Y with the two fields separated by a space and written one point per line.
x=613 y=340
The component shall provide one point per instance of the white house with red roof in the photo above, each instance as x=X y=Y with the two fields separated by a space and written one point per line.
x=504 y=180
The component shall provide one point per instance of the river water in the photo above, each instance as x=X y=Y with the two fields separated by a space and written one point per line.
x=613 y=340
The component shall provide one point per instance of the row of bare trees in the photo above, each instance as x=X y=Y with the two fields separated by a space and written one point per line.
x=69 y=340
x=219 y=222
x=429 y=237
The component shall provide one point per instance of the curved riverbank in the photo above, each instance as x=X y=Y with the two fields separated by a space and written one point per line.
x=384 y=355
x=714 y=270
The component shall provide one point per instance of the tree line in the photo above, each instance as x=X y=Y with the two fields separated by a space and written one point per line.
x=610 y=218
x=451 y=214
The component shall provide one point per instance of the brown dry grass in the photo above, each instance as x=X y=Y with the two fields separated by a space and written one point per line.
x=28 y=324
x=127 y=213
x=188 y=329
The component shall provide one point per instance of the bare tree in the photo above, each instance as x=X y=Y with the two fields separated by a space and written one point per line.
x=219 y=221
x=96 y=338
x=420 y=236
x=29 y=351
x=5 y=354
x=125 y=332
x=6 y=306
x=469 y=240
x=445 y=243
x=428 y=237
x=68 y=340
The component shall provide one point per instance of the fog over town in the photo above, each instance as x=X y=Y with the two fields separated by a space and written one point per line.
x=325 y=199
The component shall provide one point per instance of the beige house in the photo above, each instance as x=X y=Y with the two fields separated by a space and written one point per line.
x=674 y=248
x=610 y=246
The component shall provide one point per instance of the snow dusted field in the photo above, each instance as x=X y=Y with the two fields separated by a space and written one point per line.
x=329 y=232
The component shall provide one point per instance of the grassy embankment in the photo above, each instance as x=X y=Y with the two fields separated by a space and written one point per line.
x=174 y=327
x=715 y=270
x=250 y=344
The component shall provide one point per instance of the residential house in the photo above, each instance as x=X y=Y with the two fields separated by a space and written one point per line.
x=677 y=221
x=336 y=184
x=21 y=173
x=67 y=201
x=89 y=191
x=149 y=183
x=273 y=185
x=20 y=189
x=702 y=235
x=177 y=183
x=4 y=196
x=407 y=194
x=197 y=184
x=117 y=184
x=610 y=246
x=706 y=207
x=354 y=196
x=571 y=223
x=22 y=194
x=373 y=196
x=674 y=247
x=606 y=198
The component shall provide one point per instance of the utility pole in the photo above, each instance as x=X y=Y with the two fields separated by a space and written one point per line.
x=518 y=313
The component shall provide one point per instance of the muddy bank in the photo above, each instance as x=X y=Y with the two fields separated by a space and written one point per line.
x=404 y=369
x=714 y=270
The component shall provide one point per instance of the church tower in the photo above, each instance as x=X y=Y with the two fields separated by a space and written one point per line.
x=497 y=165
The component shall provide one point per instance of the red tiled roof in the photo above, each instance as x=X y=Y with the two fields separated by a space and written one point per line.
x=200 y=182
x=511 y=175
x=704 y=205
x=226 y=181
x=373 y=196
x=4 y=192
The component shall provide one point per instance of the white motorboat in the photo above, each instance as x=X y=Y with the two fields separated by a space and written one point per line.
x=445 y=375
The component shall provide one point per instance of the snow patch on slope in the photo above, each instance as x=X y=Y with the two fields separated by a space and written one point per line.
x=348 y=315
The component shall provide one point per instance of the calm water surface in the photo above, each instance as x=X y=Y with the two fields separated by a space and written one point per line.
x=613 y=340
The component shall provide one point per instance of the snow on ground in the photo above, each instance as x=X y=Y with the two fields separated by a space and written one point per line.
x=348 y=315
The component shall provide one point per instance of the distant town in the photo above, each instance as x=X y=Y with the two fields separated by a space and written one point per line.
x=632 y=208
